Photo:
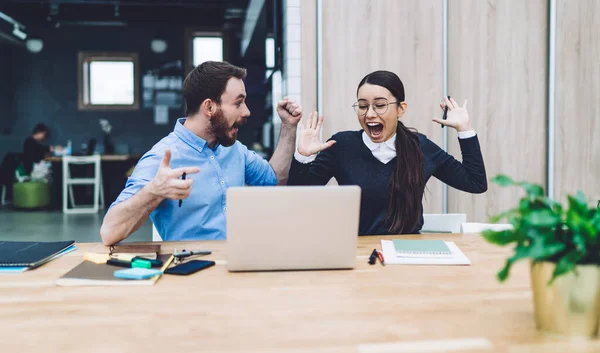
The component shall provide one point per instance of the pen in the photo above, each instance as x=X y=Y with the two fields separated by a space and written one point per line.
x=445 y=113
x=373 y=257
x=380 y=255
x=182 y=178
x=186 y=253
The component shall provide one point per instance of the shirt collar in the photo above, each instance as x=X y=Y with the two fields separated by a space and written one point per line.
x=390 y=143
x=187 y=136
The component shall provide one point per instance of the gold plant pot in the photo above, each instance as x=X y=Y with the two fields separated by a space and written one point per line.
x=570 y=306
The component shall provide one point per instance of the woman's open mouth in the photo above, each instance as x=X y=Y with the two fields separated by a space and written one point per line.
x=375 y=129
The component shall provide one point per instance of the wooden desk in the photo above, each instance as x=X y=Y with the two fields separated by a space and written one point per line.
x=370 y=309
x=103 y=157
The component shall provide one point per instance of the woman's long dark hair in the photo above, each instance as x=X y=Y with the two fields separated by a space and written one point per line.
x=407 y=183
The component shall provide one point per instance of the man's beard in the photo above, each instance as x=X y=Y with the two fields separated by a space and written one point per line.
x=220 y=129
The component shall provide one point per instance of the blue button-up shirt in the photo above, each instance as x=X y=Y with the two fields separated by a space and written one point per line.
x=202 y=215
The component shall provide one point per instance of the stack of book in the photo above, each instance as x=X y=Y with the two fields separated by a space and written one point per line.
x=20 y=256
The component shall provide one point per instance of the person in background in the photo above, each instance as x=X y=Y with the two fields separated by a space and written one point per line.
x=203 y=150
x=33 y=149
x=390 y=162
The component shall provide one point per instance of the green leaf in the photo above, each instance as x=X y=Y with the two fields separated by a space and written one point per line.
x=581 y=198
x=544 y=218
x=524 y=204
x=505 y=271
x=502 y=180
x=501 y=237
x=555 y=206
x=580 y=242
x=505 y=214
x=521 y=252
x=543 y=248
x=578 y=204
x=573 y=219
x=515 y=220
x=566 y=264
x=580 y=223
x=596 y=224
x=532 y=190
x=589 y=229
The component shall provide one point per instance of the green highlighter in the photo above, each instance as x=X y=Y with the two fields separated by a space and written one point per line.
x=154 y=263
x=139 y=263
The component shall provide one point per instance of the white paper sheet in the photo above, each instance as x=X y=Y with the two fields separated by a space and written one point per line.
x=390 y=258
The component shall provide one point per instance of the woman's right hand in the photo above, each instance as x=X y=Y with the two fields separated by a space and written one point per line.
x=310 y=131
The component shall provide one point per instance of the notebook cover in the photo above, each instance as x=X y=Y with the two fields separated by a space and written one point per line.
x=135 y=248
x=29 y=254
x=13 y=269
x=91 y=274
x=432 y=247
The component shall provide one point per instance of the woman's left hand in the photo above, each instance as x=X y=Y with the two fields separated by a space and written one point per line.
x=457 y=116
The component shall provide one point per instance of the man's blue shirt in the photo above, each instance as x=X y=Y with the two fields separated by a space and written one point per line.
x=202 y=215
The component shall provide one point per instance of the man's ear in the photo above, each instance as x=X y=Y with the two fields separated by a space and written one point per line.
x=208 y=107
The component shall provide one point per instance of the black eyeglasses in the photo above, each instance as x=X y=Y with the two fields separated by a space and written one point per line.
x=380 y=106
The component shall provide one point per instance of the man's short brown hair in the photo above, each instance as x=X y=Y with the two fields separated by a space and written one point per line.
x=208 y=81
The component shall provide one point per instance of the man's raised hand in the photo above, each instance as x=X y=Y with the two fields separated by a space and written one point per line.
x=167 y=183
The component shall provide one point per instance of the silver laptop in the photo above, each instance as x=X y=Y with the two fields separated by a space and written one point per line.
x=292 y=227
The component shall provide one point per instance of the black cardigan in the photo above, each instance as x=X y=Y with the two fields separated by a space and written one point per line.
x=351 y=162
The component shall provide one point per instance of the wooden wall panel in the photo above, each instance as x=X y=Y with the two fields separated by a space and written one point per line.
x=403 y=36
x=577 y=105
x=309 y=55
x=497 y=59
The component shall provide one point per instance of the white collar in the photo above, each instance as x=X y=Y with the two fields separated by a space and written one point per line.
x=391 y=142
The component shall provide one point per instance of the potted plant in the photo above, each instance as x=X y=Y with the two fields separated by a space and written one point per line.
x=563 y=245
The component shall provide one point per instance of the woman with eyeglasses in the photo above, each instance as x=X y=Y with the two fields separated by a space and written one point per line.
x=390 y=162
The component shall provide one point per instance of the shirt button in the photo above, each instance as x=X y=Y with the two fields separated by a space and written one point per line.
x=212 y=157
x=225 y=208
x=200 y=149
x=222 y=182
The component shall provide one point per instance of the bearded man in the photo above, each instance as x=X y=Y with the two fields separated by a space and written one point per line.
x=182 y=181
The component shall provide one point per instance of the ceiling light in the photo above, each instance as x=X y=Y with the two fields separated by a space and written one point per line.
x=18 y=33
x=34 y=45
x=158 y=45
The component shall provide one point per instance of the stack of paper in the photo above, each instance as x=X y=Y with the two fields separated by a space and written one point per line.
x=394 y=257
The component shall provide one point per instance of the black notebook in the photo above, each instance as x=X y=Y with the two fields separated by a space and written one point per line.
x=30 y=253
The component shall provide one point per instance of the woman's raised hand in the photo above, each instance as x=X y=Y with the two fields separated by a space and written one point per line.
x=309 y=142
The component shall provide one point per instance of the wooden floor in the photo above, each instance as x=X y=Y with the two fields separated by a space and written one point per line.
x=370 y=309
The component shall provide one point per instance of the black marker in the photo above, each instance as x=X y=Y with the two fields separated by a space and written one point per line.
x=445 y=113
x=182 y=178
x=373 y=257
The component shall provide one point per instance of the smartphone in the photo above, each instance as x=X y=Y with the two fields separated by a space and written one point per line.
x=189 y=267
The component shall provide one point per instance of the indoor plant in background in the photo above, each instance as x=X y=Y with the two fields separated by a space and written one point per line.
x=563 y=245
x=109 y=148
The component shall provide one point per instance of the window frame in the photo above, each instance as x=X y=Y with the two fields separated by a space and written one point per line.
x=192 y=33
x=269 y=70
x=83 y=80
